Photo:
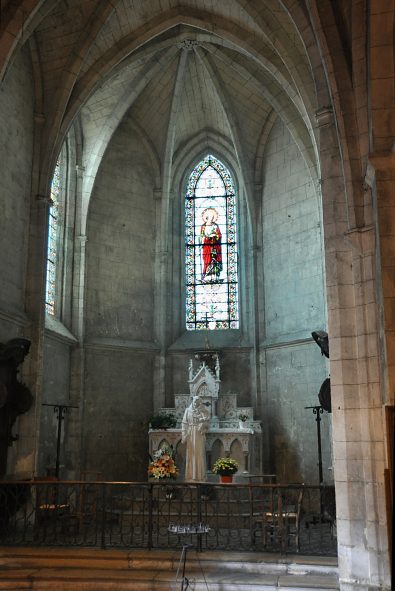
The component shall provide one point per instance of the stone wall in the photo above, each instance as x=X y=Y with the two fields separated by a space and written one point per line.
x=293 y=307
x=117 y=405
x=294 y=377
x=56 y=390
x=119 y=313
x=120 y=247
x=292 y=247
x=16 y=144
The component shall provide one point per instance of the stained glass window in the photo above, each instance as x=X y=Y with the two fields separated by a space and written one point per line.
x=52 y=253
x=211 y=248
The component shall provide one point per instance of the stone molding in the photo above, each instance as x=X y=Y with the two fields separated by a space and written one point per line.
x=80 y=170
x=324 y=116
x=362 y=240
x=39 y=118
x=56 y=330
x=114 y=344
x=17 y=318
x=82 y=239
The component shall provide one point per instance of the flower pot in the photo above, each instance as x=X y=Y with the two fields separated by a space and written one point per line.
x=242 y=424
x=226 y=479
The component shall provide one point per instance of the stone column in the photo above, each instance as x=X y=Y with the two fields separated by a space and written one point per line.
x=160 y=299
x=74 y=457
x=358 y=442
x=382 y=181
x=74 y=462
x=26 y=457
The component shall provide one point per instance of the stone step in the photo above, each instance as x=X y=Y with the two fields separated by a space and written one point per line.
x=72 y=569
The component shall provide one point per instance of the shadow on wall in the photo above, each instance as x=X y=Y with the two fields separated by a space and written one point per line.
x=284 y=454
x=119 y=457
x=293 y=448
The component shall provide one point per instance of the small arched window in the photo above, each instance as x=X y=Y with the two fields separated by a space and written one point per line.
x=211 y=248
x=53 y=241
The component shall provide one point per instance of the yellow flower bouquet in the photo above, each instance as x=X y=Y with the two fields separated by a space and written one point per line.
x=163 y=465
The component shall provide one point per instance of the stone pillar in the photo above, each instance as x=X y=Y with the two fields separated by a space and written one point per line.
x=74 y=461
x=26 y=457
x=161 y=261
x=381 y=178
x=358 y=441
x=74 y=453
x=383 y=184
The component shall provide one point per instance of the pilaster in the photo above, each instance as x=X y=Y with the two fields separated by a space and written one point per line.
x=26 y=456
x=382 y=180
x=358 y=433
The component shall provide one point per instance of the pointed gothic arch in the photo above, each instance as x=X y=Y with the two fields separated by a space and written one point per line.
x=211 y=252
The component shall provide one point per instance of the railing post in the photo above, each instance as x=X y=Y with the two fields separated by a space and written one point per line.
x=280 y=520
x=199 y=516
x=252 y=532
x=150 y=516
x=103 y=517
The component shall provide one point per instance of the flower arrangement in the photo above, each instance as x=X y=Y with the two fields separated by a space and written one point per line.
x=243 y=417
x=162 y=465
x=225 y=467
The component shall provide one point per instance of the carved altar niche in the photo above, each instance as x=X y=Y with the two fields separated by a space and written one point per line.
x=225 y=437
x=205 y=383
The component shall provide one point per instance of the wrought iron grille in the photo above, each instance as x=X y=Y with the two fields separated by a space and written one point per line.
x=252 y=517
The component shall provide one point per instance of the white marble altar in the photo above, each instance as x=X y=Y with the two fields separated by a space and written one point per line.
x=226 y=436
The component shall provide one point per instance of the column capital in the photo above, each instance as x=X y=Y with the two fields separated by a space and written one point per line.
x=324 y=116
x=39 y=118
x=162 y=254
x=362 y=240
x=80 y=170
x=44 y=200
x=370 y=174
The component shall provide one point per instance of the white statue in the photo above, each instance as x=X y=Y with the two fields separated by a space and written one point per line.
x=194 y=426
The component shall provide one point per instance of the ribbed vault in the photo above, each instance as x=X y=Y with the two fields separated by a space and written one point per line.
x=178 y=70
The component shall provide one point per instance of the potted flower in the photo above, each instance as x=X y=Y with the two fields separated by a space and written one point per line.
x=242 y=419
x=225 y=468
x=162 y=465
x=163 y=421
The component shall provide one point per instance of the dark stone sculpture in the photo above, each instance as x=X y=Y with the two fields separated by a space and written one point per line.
x=324 y=395
x=15 y=397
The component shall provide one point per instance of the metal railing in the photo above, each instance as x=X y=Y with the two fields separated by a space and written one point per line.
x=242 y=517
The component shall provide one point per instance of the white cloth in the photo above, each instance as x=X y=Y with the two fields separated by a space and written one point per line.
x=194 y=428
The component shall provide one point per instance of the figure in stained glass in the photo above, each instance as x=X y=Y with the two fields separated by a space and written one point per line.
x=211 y=248
x=210 y=236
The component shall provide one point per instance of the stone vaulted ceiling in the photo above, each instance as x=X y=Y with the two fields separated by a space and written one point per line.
x=208 y=69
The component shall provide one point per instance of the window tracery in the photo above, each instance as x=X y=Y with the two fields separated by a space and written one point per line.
x=211 y=248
